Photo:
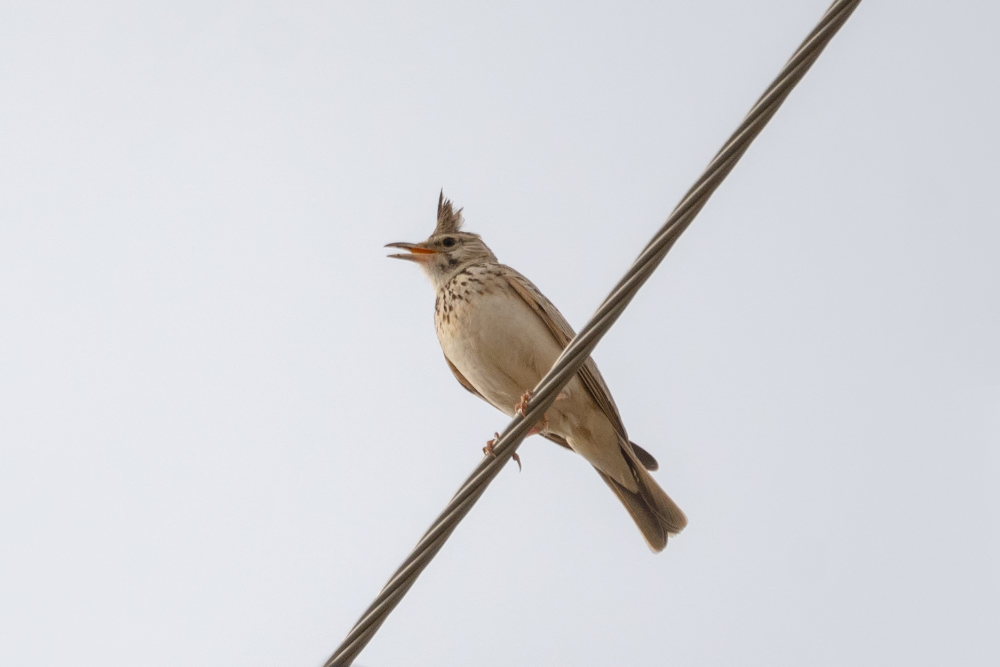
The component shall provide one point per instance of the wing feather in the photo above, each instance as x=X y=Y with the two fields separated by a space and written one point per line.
x=588 y=374
x=563 y=333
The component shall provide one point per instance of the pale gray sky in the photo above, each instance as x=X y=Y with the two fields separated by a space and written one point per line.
x=225 y=418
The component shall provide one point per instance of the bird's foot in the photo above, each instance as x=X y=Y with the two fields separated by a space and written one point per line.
x=488 y=450
x=522 y=406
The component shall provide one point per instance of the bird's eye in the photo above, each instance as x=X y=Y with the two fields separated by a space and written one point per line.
x=448 y=242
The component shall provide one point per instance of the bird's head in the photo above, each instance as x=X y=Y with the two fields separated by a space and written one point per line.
x=448 y=250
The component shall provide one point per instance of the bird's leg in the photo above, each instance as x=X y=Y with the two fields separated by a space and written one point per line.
x=522 y=408
x=488 y=450
x=539 y=427
x=522 y=405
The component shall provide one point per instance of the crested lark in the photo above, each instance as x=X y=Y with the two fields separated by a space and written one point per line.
x=500 y=335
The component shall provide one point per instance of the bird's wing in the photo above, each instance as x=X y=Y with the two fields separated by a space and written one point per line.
x=461 y=379
x=563 y=333
x=589 y=373
x=558 y=439
x=647 y=460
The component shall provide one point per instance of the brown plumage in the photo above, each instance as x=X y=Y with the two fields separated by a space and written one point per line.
x=500 y=335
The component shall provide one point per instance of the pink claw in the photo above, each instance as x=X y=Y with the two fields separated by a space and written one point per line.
x=488 y=450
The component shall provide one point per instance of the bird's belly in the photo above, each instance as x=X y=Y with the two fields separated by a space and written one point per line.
x=500 y=345
x=503 y=349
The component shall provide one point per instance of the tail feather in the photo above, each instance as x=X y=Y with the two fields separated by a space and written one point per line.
x=657 y=516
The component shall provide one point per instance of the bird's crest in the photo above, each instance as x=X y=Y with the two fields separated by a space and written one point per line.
x=449 y=220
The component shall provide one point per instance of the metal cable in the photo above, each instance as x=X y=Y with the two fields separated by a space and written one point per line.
x=582 y=345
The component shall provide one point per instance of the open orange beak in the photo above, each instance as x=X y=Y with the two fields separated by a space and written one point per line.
x=418 y=253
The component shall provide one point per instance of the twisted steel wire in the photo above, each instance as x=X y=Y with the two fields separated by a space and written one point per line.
x=586 y=340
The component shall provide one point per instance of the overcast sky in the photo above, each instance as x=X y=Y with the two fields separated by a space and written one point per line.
x=225 y=418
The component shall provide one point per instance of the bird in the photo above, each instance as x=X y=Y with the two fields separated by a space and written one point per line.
x=500 y=335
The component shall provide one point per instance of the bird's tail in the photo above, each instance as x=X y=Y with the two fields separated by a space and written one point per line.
x=657 y=516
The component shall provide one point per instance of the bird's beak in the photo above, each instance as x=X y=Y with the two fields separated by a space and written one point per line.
x=418 y=252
